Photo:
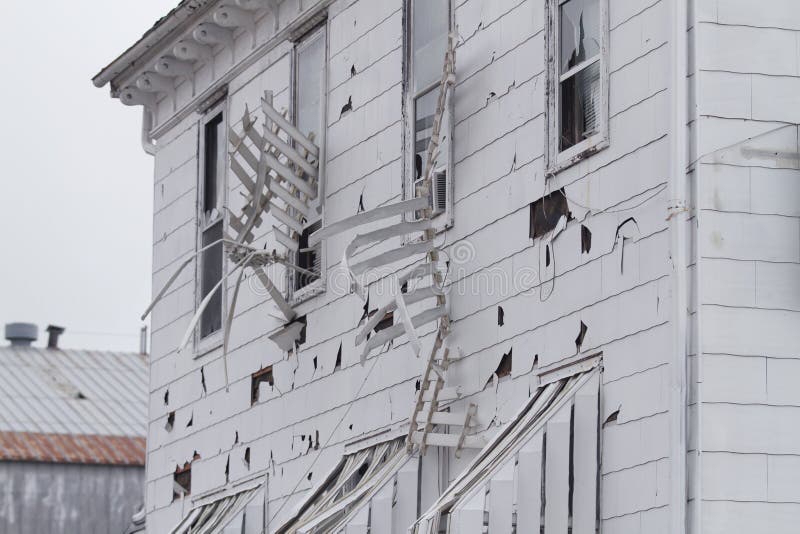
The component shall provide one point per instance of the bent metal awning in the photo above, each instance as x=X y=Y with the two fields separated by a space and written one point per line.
x=364 y=490
x=222 y=514
x=550 y=449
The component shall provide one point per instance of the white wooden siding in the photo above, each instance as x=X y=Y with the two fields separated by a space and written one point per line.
x=749 y=239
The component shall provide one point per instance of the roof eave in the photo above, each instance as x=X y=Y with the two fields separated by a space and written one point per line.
x=177 y=20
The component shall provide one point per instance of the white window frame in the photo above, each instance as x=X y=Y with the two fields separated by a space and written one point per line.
x=317 y=287
x=443 y=220
x=204 y=345
x=560 y=160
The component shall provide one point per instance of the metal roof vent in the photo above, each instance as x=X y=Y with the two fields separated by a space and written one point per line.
x=52 y=335
x=21 y=334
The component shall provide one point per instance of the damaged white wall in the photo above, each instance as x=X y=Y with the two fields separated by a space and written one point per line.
x=613 y=298
x=745 y=400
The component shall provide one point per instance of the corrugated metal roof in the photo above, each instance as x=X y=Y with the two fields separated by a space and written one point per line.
x=74 y=392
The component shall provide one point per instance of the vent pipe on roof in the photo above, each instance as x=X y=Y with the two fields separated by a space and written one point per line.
x=52 y=335
x=21 y=334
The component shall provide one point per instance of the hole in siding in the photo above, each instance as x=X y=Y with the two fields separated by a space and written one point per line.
x=627 y=229
x=182 y=478
x=581 y=335
x=416 y=385
x=386 y=322
x=366 y=311
x=170 y=421
x=247 y=458
x=309 y=475
x=236 y=438
x=612 y=418
x=571 y=480
x=586 y=239
x=542 y=487
x=166 y=398
x=500 y=315
x=314 y=361
x=182 y=481
x=338 y=364
x=546 y=212
x=256 y=379
x=203 y=380
x=316 y=440
x=191 y=420
x=361 y=203
x=504 y=367
x=228 y=469
x=302 y=337
x=347 y=107
x=353 y=70
x=351 y=426
x=80 y=396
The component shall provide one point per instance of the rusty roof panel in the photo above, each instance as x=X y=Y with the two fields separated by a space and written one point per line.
x=68 y=448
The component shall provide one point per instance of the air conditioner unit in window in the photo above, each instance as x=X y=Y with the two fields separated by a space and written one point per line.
x=439 y=191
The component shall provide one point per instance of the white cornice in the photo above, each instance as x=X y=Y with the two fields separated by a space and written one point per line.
x=308 y=18
x=175 y=50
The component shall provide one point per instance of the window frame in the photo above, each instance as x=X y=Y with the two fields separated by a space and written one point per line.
x=317 y=287
x=558 y=160
x=444 y=219
x=204 y=345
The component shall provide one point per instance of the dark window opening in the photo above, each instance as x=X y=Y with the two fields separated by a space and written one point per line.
x=309 y=259
x=264 y=375
x=214 y=158
x=579 y=71
x=211 y=225
x=580 y=105
x=546 y=212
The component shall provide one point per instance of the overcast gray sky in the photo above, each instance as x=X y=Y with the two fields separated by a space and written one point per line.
x=76 y=187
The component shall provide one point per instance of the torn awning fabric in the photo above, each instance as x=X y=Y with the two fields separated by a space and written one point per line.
x=375 y=487
x=550 y=450
x=213 y=517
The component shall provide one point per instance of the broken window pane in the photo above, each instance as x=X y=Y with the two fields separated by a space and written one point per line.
x=211 y=266
x=431 y=24
x=580 y=106
x=308 y=258
x=310 y=70
x=579 y=31
x=213 y=167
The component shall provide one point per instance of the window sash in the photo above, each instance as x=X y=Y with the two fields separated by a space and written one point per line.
x=211 y=228
x=558 y=160
x=578 y=68
x=413 y=95
x=307 y=41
